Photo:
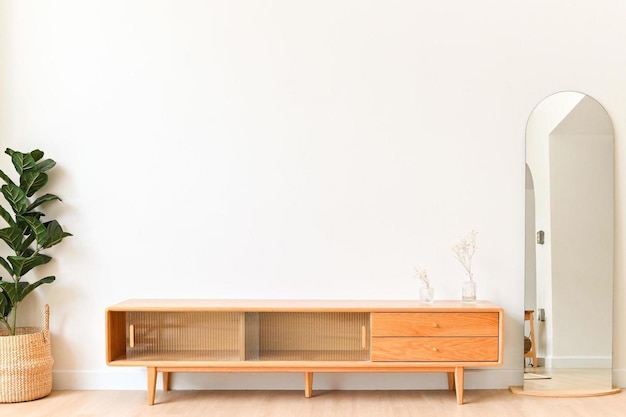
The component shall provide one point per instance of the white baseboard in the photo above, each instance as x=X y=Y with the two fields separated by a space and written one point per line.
x=600 y=362
x=115 y=379
x=136 y=379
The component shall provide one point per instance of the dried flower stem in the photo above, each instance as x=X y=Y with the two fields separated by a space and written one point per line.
x=422 y=275
x=464 y=251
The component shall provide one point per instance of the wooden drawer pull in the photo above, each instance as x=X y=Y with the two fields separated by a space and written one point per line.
x=435 y=349
x=131 y=331
x=435 y=325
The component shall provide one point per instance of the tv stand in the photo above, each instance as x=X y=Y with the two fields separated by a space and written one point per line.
x=305 y=336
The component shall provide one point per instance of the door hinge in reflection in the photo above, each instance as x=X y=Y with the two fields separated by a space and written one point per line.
x=542 y=314
x=541 y=237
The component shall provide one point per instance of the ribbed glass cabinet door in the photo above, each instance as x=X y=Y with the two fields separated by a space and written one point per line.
x=299 y=336
x=211 y=336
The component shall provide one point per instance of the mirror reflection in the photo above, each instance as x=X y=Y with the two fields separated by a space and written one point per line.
x=569 y=248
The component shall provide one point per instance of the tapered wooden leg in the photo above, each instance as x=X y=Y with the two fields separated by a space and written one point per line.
x=451 y=381
x=308 y=384
x=152 y=377
x=458 y=379
x=166 y=381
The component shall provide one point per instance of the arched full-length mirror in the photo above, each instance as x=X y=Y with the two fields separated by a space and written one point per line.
x=569 y=248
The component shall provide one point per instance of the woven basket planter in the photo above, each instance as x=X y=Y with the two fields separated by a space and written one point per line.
x=25 y=363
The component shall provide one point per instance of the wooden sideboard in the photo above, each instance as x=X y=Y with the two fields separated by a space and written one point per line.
x=304 y=336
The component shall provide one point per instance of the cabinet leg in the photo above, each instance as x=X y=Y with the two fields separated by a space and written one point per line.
x=459 y=374
x=152 y=377
x=166 y=381
x=451 y=381
x=308 y=384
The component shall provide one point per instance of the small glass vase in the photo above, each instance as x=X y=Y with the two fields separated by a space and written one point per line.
x=426 y=295
x=469 y=291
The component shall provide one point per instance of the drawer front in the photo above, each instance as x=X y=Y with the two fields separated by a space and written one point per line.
x=435 y=324
x=434 y=349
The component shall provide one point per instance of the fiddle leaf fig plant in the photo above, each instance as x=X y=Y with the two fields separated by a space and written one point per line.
x=26 y=234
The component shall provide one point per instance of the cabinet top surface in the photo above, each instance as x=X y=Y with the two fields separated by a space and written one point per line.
x=300 y=305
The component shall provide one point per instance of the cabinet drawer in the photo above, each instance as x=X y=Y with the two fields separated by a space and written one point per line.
x=435 y=324
x=435 y=349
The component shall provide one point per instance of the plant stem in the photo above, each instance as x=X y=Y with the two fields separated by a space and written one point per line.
x=12 y=329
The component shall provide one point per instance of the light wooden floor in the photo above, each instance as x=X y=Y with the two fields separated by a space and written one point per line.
x=568 y=382
x=479 y=403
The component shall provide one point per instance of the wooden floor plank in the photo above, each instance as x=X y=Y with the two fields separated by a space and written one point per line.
x=478 y=403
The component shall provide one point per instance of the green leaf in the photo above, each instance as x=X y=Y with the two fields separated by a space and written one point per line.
x=22 y=162
x=16 y=197
x=35 y=214
x=7 y=217
x=23 y=264
x=23 y=289
x=25 y=250
x=36 y=154
x=12 y=236
x=6 y=178
x=8 y=289
x=45 y=165
x=28 y=252
x=32 y=181
x=6 y=266
x=55 y=233
x=6 y=306
x=41 y=233
x=26 y=289
x=44 y=198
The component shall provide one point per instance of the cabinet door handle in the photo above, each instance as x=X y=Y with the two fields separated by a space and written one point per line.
x=131 y=331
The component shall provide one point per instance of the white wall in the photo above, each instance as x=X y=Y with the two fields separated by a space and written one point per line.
x=279 y=149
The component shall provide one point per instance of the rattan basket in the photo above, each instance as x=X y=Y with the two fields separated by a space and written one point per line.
x=26 y=363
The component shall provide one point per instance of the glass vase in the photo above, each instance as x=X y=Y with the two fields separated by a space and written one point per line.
x=469 y=291
x=426 y=295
